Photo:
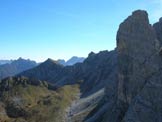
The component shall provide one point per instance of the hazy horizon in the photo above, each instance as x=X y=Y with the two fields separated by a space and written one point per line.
x=61 y=29
x=40 y=61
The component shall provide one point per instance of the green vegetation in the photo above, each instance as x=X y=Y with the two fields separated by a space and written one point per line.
x=34 y=103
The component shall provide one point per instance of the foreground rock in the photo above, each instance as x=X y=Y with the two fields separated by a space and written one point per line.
x=138 y=95
x=139 y=62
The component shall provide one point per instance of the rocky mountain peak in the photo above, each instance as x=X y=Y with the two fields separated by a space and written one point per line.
x=138 y=19
x=141 y=15
x=139 y=71
x=136 y=93
x=15 y=67
x=136 y=43
x=50 y=61
x=158 y=28
x=91 y=54
x=137 y=35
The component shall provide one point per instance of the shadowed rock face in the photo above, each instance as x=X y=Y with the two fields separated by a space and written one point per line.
x=138 y=95
x=136 y=44
x=158 y=28
x=92 y=74
x=138 y=61
x=135 y=95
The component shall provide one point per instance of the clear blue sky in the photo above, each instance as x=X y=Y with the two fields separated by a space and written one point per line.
x=38 y=29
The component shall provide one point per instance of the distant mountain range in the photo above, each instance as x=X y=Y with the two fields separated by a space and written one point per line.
x=71 y=61
x=13 y=67
x=5 y=62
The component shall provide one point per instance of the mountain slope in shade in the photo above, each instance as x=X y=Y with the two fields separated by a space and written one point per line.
x=92 y=75
x=47 y=71
x=94 y=70
x=16 y=67
x=71 y=61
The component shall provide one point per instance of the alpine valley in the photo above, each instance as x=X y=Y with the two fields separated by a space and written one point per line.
x=122 y=85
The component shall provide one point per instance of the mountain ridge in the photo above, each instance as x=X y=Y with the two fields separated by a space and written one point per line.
x=15 y=67
x=73 y=60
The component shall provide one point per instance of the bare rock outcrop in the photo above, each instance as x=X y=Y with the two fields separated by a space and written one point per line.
x=158 y=28
x=137 y=44
x=136 y=95
x=139 y=71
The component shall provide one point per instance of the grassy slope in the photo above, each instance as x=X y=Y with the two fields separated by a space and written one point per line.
x=36 y=103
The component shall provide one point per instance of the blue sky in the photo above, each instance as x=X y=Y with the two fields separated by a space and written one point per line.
x=41 y=29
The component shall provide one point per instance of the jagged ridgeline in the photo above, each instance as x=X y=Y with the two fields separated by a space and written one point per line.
x=123 y=85
x=13 y=67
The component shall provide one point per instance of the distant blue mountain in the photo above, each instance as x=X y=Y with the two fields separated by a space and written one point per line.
x=15 y=67
x=5 y=62
x=62 y=61
x=71 y=61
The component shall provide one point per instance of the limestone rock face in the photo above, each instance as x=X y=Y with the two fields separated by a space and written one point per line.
x=158 y=28
x=137 y=96
x=136 y=44
x=139 y=69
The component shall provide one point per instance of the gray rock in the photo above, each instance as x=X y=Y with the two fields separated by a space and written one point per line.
x=158 y=28
x=139 y=72
x=136 y=44
x=135 y=95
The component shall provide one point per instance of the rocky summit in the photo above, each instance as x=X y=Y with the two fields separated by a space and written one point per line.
x=123 y=85
x=139 y=62
x=137 y=95
x=139 y=75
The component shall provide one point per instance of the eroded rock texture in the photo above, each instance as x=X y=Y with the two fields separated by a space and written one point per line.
x=135 y=95
x=139 y=64
x=139 y=96
x=158 y=28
